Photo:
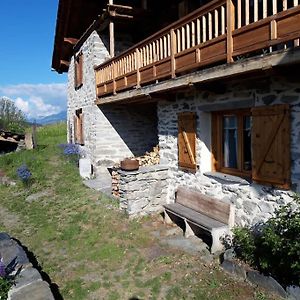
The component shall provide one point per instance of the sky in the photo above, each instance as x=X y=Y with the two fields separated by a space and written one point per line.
x=26 y=44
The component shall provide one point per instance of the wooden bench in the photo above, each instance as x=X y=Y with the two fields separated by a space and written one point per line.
x=211 y=215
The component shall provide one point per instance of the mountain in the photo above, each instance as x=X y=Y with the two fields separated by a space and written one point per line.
x=62 y=116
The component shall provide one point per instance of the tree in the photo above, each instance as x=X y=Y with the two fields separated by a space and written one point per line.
x=11 y=118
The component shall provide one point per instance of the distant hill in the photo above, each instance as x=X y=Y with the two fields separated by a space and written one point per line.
x=62 y=116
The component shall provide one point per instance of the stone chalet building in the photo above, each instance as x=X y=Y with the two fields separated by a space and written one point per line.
x=215 y=84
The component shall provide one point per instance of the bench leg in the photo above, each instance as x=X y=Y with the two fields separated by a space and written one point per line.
x=188 y=230
x=216 y=240
x=167 y=219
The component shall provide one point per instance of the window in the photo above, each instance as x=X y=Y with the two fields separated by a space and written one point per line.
x=78 y=127
x=253 y=143
x=187 y=141
x=233 y=129
x=78 y=62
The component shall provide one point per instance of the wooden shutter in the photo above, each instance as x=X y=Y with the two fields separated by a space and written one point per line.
x=271 y=145
x=187 y=140
x=78 y=70
x=75 y=128
x=80 y=125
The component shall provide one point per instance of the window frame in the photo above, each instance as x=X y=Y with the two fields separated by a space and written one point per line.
x=218 y=138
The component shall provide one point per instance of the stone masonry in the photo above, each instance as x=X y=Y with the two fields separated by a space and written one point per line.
x=111 y=132
x=143 y=191
x=253 y=202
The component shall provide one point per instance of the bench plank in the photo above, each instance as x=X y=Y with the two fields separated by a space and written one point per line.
x=197 y=218
x=213 y=208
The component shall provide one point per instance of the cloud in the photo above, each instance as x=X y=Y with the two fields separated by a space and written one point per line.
x=37 y=100
x=22 y=105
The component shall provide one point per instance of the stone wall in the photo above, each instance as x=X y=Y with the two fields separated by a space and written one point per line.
x=143 y=191
x=28 y=284
x=111 y=132
x=253 y=202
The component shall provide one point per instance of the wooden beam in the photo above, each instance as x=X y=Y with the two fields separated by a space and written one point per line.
x=111 y=35
x=120 y=7
x=230 y=28
x=71 y=41
x=64 y=63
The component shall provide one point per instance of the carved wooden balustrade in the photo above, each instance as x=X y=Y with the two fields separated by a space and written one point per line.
x=218 y=32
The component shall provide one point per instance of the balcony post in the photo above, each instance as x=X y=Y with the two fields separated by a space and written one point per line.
x=230 y=28
x=173 y=51
x=113 y=77
x=138 y=63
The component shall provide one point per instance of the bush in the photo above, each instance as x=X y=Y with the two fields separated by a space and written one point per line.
x=273 y=247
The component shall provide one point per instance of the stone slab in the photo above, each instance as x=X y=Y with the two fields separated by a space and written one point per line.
x=85 y=168
x=266 y=282
x=38 y=290
x=234 y=269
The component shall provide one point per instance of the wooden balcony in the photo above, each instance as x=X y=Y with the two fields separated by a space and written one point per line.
x=219 y=32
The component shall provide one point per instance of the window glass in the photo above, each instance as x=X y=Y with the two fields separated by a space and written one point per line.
x=247 y=124
x=230 y=141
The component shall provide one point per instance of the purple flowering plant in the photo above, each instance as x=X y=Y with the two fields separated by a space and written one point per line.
x=2 y=268
x=24 y=174
x=72 y=151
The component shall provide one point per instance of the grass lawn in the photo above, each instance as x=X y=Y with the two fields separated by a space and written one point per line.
x=90 y=249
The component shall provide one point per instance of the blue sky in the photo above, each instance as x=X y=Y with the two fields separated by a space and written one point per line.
x=27 y=37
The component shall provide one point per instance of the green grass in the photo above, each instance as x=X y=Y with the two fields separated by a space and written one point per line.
x=87 y=246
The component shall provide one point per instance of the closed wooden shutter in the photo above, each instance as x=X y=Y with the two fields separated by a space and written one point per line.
x=78 y=70
x=271 y=145
x=81 y=136
x=75 y=128
x=187 y=140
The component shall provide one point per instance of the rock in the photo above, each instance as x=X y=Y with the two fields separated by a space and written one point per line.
x=293 y=292
x=266 y=282
x=27 y=276
x=229 y=254
x=85 y=168
x=11 y=250
x=28 y=283
x=4 y=236
x=34 y=197
x=38 y=290
x=234 y=269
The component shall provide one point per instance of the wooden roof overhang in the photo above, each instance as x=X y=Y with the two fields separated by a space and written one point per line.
x=73 y=19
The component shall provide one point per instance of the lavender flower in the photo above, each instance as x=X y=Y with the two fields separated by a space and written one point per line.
x=24 y=173
x=70 y=149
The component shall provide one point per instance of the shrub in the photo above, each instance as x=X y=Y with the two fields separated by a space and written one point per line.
x=273 y=247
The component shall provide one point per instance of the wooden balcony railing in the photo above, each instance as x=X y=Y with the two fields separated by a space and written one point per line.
x=217 y=32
